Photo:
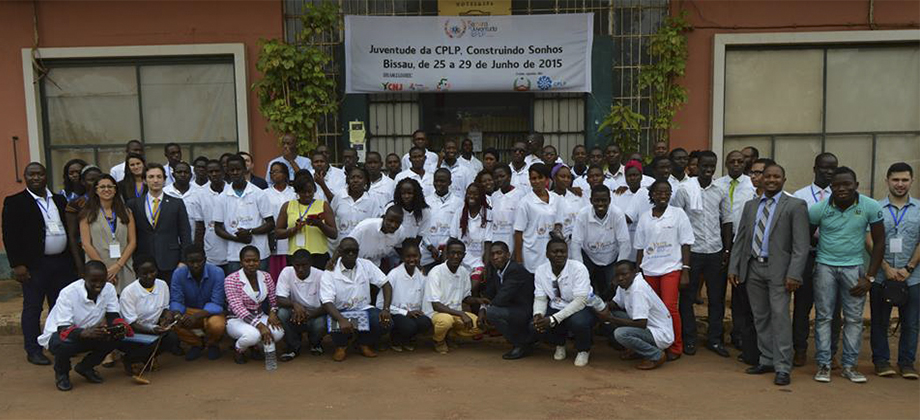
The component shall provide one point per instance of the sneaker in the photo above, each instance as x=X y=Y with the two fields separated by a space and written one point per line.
x=560 y=353
x=884 y=369
x=287 y=357
x=824 y=374
x=317 y=350
x=908 y=372
x=581 y=359
x=853 y=375
x=441 y=347
x=396 y=347
x=408 y=347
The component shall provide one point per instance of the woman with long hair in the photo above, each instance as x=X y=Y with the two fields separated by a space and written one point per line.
x=538 y=216
x=473 y=227
x=133 y=186
x=107 y=232
x=572 y=203
x=73 y=188
x=278 y=194
x=416 y=212
x=306 y=222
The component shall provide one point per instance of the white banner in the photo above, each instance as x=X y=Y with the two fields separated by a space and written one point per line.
x=550 y=53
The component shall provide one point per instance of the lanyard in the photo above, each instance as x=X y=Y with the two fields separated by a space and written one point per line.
x=153 y=215
x=305 y=211
x=137 y=193
x=812 y=188
x=897 y=220
x=44 y=207
x=113 y=222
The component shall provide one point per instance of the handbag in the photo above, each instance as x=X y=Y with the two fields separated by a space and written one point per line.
x=894 y=293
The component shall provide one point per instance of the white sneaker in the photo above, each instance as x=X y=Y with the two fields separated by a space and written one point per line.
x=853 y=375
x=560 y=353
x=581 y=359
x=824 y=374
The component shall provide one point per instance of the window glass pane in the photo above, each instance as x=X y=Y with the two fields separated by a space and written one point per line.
x=110 y=157
x=92 y=105
x=873 y=89
x=896 y=148
x=213 y=152
x=797 y=157
x=761 y=143
x=56 y=169
x=188 y=103
x=773 y=91
x=855 y=152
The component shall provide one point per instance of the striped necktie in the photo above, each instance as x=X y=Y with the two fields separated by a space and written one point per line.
x=761 y=227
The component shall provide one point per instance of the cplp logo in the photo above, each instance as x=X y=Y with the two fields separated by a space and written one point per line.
x=544 y=83
x=455 y=28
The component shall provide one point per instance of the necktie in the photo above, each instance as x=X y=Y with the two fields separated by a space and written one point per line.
x=731 y=191
x=761 y=227
x=821 y=195
x=155 y=213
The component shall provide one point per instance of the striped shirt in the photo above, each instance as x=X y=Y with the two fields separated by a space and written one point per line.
x=706 y=221
x=244 y=302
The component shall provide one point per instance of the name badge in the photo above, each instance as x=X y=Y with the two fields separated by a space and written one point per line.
x=55 y=228
x=114 y=251
x=300 y=240
x=896 y=245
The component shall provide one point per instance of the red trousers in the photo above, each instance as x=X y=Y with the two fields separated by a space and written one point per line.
x=667 y=287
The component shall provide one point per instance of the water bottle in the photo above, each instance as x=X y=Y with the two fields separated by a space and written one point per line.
x=271 y=362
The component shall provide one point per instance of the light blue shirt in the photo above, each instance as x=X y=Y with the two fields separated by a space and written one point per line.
x=764 y=250
x=907 y=229
x=302 y=162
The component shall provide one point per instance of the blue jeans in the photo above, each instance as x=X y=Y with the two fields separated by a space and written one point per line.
x=832 y=285
x=639 y=340
x=293 y=333
x=405 y=328
x=881 y=319
x=580 y=324
x=365 y=338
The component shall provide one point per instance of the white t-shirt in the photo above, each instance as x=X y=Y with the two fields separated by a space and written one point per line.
x=431 y=161
x=208 y=201
x=382 y=191
x=74 y=308
x=633 y=204
x=641 y=302
x=536 y=219
x=460 y=177
x=373 y=244
x=572 y=281
x=520 y=179
x=426 y=180
x=350 y=289
x=437 y=232
x=474 y=164
x=303 y=291
x=276 y=199
x=138 y=305
x=602 y=240
x=660 y=239
x=475 y=238
x=504 y=207
x=244 y=212
x=411 y=226
x=408 y=291
x=447 y=288
x=349 y=212
x=571 y=204
x=336 y=181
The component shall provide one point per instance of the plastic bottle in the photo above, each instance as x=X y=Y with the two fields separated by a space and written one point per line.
x=271 y=362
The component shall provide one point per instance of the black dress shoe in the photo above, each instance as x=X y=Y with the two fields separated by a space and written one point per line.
x=718 y=349
x=62 y=381
x=759 y=369
x=515 y=353
x=740 y=358
x=38 y=358
x=89 y=373
x=689 y=349
x=782 y=378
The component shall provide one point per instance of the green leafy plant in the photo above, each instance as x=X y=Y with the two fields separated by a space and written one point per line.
x=624 y=123
x=295 y=91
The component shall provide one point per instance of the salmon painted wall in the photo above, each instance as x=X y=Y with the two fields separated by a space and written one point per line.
x=710 y=17
x=119 y=23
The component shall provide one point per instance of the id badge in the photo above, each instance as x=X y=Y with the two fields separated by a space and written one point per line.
x=300 y=240
x=896 y=245
x=55 y=228
x=114 y=251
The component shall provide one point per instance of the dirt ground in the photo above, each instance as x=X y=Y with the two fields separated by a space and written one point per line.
x=470 y=382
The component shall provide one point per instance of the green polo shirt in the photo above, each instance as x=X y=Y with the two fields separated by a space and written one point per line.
x=843 y=233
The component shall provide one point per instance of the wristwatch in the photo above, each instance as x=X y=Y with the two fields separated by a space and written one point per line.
x=910 y=268
x=871 y=279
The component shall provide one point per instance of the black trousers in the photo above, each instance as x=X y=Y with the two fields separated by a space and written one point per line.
x=48 y=277
x=405 y=328
x=743 y=321
x=64 y=350
x=708 y=266
x=139 y=353
x=512 y=322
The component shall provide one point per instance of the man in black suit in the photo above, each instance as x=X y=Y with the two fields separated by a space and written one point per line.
x=35 y=239
x=509 y=290
x=161 y=221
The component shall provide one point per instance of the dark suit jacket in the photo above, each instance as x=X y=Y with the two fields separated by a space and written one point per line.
x=515 y=289
x=788 y=243
x=172 y=234
x=24 y=228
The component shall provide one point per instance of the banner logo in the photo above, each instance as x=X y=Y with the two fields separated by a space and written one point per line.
x=522 y=84
x=453 y=29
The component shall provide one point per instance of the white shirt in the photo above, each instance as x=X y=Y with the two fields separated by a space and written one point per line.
x=536 y=220
x=641 y=302
x=276 y=199
x=373 y=244
x=813 y=194
x=437 y=231
x=504 y=207
x=349 y=212
x=460 y=177
x=411 y=226
x=571 y=205
x=408 y=291
x=572 y=281
x=189 y=198
x=744 y=191
x=431 y=161
x=244 y=212
x=350 y=289
x=73 y=308
x=602 y=240
x=139 y=305
x=615 y=180
x=118 y=172
x=302 y=161
x=382 y=190
x=475 y=238
x=208 y=201
x=336 y=181
x=632 y=204
x=305 y=292
x=55 y=235
x=660 y=239
x=520 y=179
x=472 y=163
x=532 y=158
x=447 y=288
x=426 y=180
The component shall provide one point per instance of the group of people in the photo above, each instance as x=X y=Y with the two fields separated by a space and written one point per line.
x=444 y=244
